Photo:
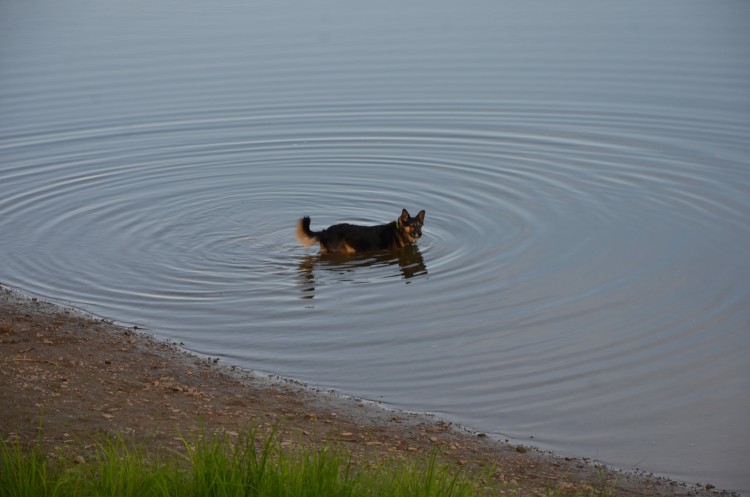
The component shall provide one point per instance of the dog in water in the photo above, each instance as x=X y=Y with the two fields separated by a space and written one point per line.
x=350 y=238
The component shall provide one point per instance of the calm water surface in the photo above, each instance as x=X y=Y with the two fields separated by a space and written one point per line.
x=584 y=277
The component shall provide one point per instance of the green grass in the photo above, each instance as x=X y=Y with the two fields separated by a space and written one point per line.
x=223 y=467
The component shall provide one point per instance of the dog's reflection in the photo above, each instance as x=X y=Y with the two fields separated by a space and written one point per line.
x=409 y=260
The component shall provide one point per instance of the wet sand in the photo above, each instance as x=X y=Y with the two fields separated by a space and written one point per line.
x=68 y=378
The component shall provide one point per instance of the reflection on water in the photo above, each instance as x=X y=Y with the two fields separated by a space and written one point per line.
x=408 y=259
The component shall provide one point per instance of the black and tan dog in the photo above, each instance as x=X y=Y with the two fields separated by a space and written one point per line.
x=350 y=238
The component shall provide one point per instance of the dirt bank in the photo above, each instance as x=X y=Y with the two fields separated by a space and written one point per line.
x=77 y=377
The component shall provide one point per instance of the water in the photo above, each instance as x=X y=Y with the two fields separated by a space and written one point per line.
x=584 y=275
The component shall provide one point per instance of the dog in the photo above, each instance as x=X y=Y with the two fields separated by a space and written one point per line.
x=349 y=238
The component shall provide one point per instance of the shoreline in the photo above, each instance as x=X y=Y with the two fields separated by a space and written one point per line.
x=68 y=376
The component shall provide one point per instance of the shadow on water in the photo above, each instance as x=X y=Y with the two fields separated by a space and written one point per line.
x=408 y=259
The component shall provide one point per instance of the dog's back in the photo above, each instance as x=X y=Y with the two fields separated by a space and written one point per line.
x=351 y=238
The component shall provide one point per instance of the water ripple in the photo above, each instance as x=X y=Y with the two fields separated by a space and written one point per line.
x=575 y=259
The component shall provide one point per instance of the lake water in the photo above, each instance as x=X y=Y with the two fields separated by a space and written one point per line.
x=584 y=276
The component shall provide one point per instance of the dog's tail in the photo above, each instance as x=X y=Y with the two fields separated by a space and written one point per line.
x=306 y=236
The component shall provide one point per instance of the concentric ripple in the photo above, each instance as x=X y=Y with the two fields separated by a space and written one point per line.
x=569 y=265
x=583 y=277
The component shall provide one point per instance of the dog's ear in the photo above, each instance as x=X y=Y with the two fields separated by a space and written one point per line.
x=420 y=216
x=405 y=215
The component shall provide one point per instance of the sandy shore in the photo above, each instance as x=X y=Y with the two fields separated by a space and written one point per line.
x=78 y=377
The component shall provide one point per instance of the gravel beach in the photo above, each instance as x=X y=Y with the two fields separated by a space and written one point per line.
x=68 y=377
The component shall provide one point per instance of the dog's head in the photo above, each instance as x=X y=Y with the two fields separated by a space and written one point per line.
x=410 y=227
